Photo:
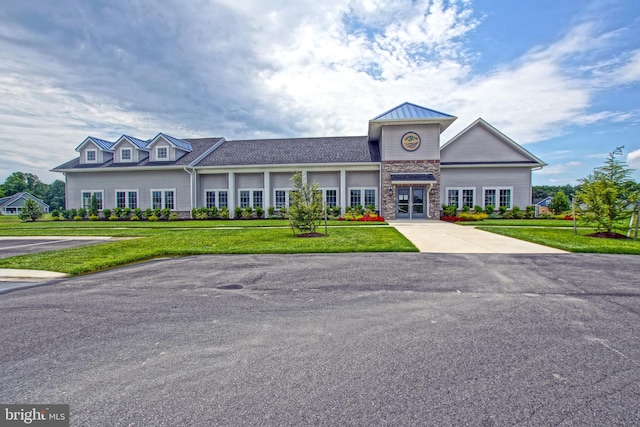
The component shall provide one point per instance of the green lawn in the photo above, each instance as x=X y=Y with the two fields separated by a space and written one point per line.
x=182 y=238
x=565 y=239
x=519 y=223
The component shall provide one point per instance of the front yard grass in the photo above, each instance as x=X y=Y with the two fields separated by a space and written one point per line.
x=564 y=239
x=172 y=239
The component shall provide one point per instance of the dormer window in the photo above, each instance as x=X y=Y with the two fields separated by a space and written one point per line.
x=91 y=155
x=125 y=154
x=162 y=153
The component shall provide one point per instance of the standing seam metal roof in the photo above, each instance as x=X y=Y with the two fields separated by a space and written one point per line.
x=412 y=111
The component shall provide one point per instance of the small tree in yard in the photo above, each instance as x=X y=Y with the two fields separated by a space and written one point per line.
x=608 y=192
x=305 y=212
x=560 y=203
x=30 y=211
x=93 y=206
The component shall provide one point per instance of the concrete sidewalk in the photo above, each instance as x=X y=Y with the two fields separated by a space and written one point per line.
x=443 y=237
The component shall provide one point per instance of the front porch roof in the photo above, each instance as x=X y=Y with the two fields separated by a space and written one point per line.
x=413 y=178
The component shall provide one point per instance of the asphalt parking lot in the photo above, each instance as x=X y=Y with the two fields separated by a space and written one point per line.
x=13 y=246
x=344 y=339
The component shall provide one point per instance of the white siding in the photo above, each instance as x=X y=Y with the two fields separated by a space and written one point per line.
x=250 y=180
x=324 y=179
x=363 y=179
x=517 y=178
x=391 y=147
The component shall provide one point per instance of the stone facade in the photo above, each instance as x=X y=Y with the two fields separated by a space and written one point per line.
x=388 y=198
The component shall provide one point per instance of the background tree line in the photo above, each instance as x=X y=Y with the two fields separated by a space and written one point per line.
x=51 y=194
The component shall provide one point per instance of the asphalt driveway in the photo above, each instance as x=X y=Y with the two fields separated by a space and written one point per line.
x=344 y=339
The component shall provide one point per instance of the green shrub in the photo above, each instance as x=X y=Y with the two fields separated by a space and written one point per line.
x=157 y=212
x=547 y=215
x=117 y=211
x=165 y=213
x=73 y=213
x=126 y=212
x=153 y=218
x=106 y=213
x=247 y=212
x=30 y=211
x=55 y=213
x=530 y=212
x=173 y=216
x=450 y=210
x=466 y=209
x=138 y=212
x=93 y=217
x=468 y=216
x=77 y=218
x=337 y=211
x=259 y=212
x=148 y=212
x=271 y=211
x=224 y=212
x=502 y=210
x=113 y=217
x=213 y=212
x=82 y=212
x=93 y=206
x=478 y=209
x=134 y=218
x=66 y=214
x=489 y=209
x=237 y=213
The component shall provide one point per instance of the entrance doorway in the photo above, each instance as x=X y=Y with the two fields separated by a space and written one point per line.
x=410 y=203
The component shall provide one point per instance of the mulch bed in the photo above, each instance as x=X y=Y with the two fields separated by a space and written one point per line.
x=607 y=235
x=311 y=235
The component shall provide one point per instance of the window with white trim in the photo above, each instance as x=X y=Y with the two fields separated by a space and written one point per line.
x=127 y=199
x=91 y=155
x=498 y=196
x=125 y=154
x=330 y=197
x=163 y=198
x=217 y=198
x=363 y=197
x=162 y=153
x=250 y=198
x=281 y=198
x=86 y=196
x=460 y=197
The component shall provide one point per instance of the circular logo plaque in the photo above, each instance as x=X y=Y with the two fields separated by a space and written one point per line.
x=410 y=141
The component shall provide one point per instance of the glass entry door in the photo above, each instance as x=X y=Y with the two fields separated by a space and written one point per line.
x=403 y=203
x=410 y=202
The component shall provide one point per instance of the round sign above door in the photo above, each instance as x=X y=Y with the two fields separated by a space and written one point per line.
x=410 y=141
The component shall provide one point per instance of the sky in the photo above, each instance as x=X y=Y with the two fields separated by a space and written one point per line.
x=562 y=78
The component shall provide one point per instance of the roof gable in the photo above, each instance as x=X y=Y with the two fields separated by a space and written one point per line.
x=7 y=201
x=100 y=143
x=481 y=143
x=177 y=143
x=137 y=143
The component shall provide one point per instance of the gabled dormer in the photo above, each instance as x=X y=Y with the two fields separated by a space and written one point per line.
x=409 y=132
x=129 y=149
x=95 y=151
x=165 y=148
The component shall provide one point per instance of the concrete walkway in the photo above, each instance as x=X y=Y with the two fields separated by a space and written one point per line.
x=444 y=237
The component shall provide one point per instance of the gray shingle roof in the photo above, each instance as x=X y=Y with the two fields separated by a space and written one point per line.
x=349 y=149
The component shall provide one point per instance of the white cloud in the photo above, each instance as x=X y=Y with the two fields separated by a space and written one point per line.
x=633 y=159
x=559 y=169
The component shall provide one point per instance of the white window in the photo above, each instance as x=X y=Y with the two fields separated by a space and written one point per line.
x=125 y=154
x=498 y=196
x=363 y=197
x=127 y=199
x=461 y=197
x=86 y=196
x=92 y=156
x=281 y=198
x=163 y=198
x=162 y=153
x=330 y=197
x=217 y=198
x=251 y=198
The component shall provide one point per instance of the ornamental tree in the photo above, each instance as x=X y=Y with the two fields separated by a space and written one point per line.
x=305 y=212
x=560 y=203
x=30 y=211
x=608 y=192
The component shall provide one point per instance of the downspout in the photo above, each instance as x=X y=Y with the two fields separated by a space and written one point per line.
x=191 y=186
x=429 y=200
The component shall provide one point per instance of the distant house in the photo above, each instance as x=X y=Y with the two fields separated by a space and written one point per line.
x=12 y=205
x=399 y=168
x=542 y=205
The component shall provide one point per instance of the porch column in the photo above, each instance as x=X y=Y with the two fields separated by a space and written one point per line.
x=267 y=191
x=343 y=190
x=232 y=194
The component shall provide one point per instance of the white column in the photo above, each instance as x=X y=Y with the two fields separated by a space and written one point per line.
x=343 y=190
x=266 y=199
x=232 y=194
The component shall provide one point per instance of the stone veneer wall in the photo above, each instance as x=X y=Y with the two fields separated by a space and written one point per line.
x=388 y=201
